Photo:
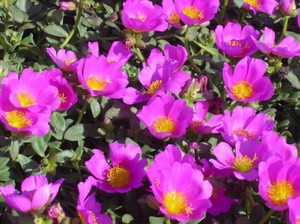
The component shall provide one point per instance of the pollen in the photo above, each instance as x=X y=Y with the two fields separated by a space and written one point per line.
x=110 y=61
x=254 y=3
x=154 y=87
x=17 y=119
x=140 y=16
x=96 y=83
x=279 y=192
x=176 y=203
x=244 y=132
x=118 y=176
x=94 y=219
x=69 y=61
x=174 y=18
x=243 y=163
x=62 y=98
x=193 y=13
x=25 y=99
x=242 y=90
x=235 y=43
x=163 y=124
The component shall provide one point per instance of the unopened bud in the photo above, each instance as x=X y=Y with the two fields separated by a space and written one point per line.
x=56 y=213
x=130 y=41
x=67 y=6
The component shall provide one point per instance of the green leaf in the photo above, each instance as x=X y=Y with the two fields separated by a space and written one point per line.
x=127 y=218
x=58 y=121
x=27 y=164
x=55 y=30
x=14 y=149
x=18 y=15
x=39 y=145
x=4 y=169
x=156 y=220
x=24 y=5
x=78 y=152
x=95 y=108
x=293 y=79
x=238 y=3
x=74 y=133
x=4 y=42
x=64 y=156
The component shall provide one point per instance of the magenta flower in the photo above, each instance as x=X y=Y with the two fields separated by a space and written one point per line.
x=166 y=117
x=125 y=172
x=279 y=182
x=87 y=207
x=172 y=15
x=243 y=163
x=196 y=11
x=65 y=60
x=298 y=18
x=66 y=94
x=67 y=6
x=244 y=124
x=100 y=79
x=36 y=194
x=266 y=6
x=94 y=48
x=177 y=200
x=236 y=41
x=294 y=212
x=288 y=47
x=199 y=122
x=246 y=83
x=143 y=16
x=287 y=6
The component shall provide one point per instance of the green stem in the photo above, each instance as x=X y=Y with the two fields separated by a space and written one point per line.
x=108 y=38
x=86 y=103
x=6 y=17
x=186 y=45
x=249 y=196
x=74 y=28
x=284 y=28
x=266 y=217
x=167 y=221
x=223 y=11
x=202 y=46
x=242 y=16
x=139 y=54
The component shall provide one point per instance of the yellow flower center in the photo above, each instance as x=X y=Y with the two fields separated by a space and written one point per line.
x=83 y=221
x=174 y=18
x=244 y=132
x=110 y=61
x=96 y=83
x=279 y=192
x=118 y=176
x=176 y=203
x=62 y=98
x=235 y=43
x=243 y=163
x=140 y=16
x=17 y=119
x=154 y=87
x=163 y=124
x=69 y=61
x=193 y=13
x=254 y=3
x=242 y=90
x=25 y=99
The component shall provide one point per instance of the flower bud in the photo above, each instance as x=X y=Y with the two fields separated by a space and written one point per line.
x=67 y=6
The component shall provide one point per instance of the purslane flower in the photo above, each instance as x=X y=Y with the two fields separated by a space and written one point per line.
x=294 y=212
x=172 y=15
x=125 y=172
x=165 y=116
x=287 y=6
x=236 y=41
x=36 y=194
x=143 y=16
x=247 y=83
x=266 y=6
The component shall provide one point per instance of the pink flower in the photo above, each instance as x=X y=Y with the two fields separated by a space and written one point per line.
x=166 y=117
x=298 y=18
x=244 y=124
x=294 y=212
x=246 y=83
x=65 y=60
x=125 y=172
x=244 y=163
x=143 y=16
x=287 y=6
x=66 y=94
x=87 y=207
x=95 y=74
x=172 y=15
x=288 y=47
x=266 y=6
x=236 y=41
x=199 y=122
x=196 y=11
x=67 y=6
x=279 y=182
x=36 y=194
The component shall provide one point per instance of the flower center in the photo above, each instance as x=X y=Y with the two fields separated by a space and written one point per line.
x=279 y=192
x=244 y=132
x=140 y=16
x=69 y=61
x=96 y=83
x=25 y=99
x=176 y=203
x=62 y=98
x=174 y=18
x=110 y=61
x=17 y=119
x=254 y=3
x=243 y=163
x=235 y=43
x=118 y=176
x=154 y=87
x=83 y=221
x=193 y=13
x=163 y=124
x=242 y=90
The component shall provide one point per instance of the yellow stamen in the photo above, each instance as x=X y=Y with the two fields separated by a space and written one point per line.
x=163 y=124
x=242 y=90
x=83 y=221
x=254 y=3
x=279 y=192
x=118 y=176
x=243 y=163
x=62 y=98
x=69 y=61
x=140 y=16
x=96 y=83
x=174 y=18
x=247 y=134
x=235 y=43
x=193 y=13
x=110 y=61
x=25 y=99
x=154 y=87
x=17 y=119
x=176 y=203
